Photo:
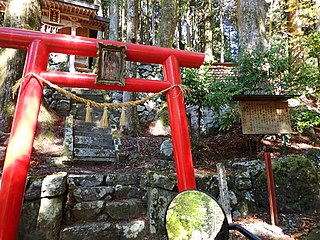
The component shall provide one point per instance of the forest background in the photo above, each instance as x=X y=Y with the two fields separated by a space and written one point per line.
x=274 y=44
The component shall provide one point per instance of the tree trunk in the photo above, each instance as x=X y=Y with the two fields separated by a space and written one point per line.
x=208 y=30
x=221 y=30
x=114 y=20
x=295 y=30
x=168 y=23
x=19 y=14
x=132 y=120
x=251 y=16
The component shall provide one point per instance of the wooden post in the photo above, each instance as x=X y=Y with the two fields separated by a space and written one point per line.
x=271 y=190
x=223 y=187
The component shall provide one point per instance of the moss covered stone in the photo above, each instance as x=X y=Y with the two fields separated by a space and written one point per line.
x=297 y=184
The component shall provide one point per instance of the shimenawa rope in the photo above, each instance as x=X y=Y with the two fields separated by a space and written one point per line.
x=90 y=103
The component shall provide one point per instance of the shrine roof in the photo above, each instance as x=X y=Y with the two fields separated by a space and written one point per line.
x=263 y=97
x=69 y=6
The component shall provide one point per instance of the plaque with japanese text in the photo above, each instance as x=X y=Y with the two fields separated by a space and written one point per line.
x=111 y=64
x=54 y=15
x=261 y=117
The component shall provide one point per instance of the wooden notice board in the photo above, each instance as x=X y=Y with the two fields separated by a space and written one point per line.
x=265 y=117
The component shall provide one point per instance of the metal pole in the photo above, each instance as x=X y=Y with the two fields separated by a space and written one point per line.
x=271 y=190
x=179 y=127
x=20 y=144
x=284 y=139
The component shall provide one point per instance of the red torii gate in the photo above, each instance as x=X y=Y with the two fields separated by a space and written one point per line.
x=39 y=45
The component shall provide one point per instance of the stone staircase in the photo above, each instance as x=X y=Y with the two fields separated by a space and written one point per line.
x=90 y=141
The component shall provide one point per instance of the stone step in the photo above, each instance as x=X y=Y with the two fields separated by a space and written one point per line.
x=94 y=152
x=134 y=229
x=93 y=141
x=125 y=209
x=93 y=160
x=98 y=133
x=81 y=111
x=82 y=126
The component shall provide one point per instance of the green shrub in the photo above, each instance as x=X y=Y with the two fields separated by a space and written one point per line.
x=303 y=119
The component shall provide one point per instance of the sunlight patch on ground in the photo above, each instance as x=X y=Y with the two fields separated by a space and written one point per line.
x=261 y=229
x=303 y=146
x=158 y=129
x=266 y=231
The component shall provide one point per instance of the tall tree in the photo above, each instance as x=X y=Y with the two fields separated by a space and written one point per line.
x=208 y=29
x=114 y=20
x=251 y=16
x=168 y=23
x=132 y=121
x=221 y=4
x=24 y=14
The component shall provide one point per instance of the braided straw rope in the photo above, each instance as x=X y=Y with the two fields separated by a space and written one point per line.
x=91 y=103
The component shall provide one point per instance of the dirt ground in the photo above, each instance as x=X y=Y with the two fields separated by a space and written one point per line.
x=140 y=154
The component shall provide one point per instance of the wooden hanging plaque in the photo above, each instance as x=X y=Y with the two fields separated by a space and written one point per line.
x=111 y=64
x=265 y=117
x=54 y=15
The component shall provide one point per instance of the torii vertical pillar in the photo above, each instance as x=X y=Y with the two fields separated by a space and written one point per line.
x=19 y=149
x=179 y=127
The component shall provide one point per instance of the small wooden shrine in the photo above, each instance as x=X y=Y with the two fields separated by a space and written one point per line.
x=76 y=18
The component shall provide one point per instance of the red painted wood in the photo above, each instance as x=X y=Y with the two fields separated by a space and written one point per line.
x=81 y=80
x=179 y=128
x=271 y=190
x=82 y=46
x=19 y=148
x=39 y=45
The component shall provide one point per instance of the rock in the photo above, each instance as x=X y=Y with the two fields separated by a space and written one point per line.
x=2 y=152
x=297 y=185
x=166 y=148
x=122 y=179
x=254 y=167
x=53 y=104
x=161 y=180
x=125 y=209
x=47 y=92
x=92 y=180
x=63 y=107
x=54 y=185
x=313 y=155
x=49 y=218
x=243 y=181
x=208 y=183
x=148 y=108
x=233 y=198
x=89 y=231
x=68 y=142
x=87 y=210
x=151 y=117
x=85 y=194
x=125 y=192
x=116 y=96
x=158 y=201
x=28 y=220
x=132 y=230
x=140 y=108
x=33 y=192
x=146 y=68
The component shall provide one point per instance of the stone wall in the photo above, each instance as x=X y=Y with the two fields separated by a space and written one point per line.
x=100 y=206
x=128 y=206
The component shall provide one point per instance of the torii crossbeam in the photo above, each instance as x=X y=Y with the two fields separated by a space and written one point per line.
x=39 y=45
